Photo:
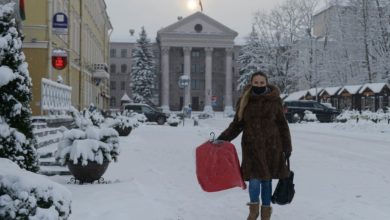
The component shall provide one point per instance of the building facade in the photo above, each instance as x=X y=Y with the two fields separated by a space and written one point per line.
x=85 y=43
x=121 y=61
x=202 y=50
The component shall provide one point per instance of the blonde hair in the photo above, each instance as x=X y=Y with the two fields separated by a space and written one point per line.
x=245 y=96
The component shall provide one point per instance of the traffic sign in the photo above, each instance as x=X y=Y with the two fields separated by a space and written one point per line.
x=60 y=23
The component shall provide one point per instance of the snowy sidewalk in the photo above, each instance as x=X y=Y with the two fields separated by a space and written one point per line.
x=337 y=177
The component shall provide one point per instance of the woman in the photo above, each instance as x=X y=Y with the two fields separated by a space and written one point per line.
x=266 y=142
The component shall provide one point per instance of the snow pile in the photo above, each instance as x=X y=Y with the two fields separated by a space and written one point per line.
x=93 y=144
x=173 y=119
x=26 y=195
x=309 y=116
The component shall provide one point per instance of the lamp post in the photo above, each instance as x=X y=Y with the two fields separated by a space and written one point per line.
x=184 y=81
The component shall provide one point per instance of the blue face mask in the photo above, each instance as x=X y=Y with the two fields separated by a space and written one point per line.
x=258 y=90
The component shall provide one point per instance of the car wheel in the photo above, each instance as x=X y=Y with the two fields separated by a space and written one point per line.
x=333 y=118
x=160 y=120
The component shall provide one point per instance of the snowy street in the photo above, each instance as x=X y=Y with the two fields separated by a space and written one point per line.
x=339 y=174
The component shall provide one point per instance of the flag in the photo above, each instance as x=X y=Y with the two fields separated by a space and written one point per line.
x=21 y=10
x=201 y=6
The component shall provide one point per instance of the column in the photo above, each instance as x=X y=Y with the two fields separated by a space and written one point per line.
x=165 y=79
x=208 y=77
x=187 y=71
x=228 y=82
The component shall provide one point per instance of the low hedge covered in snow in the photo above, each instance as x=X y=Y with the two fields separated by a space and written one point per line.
x=93 y=144
x=379 y=116
x=26 y=195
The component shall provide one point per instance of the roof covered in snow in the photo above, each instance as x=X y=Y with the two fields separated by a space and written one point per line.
x=351 y=89
x=312 y=91
x=296 y=95
x=331 y=90
x=125 y=97
x=374 y=87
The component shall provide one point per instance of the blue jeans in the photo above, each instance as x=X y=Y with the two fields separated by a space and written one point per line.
x=255 y=185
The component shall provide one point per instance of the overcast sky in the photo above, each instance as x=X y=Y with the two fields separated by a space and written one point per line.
x=156 y=14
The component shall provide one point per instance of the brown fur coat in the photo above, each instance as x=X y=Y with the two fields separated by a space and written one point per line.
x=265 y=137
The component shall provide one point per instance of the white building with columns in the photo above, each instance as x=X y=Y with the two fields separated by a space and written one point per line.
x=200 y=49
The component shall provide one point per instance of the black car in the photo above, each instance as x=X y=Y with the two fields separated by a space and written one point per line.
x=295 y=111
x=152 y=114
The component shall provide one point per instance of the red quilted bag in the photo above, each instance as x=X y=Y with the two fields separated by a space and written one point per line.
x=217 y=167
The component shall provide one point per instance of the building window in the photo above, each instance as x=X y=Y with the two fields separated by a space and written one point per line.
x=112 y=68
x=195 y=53
x=197 y=84
x=123 y=68
x=123 y=53
x=112 y=53
x=193 y=68
x=113 y=85
x=113 y=102
x=123 y=83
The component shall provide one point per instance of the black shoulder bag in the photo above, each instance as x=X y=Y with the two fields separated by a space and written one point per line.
x=284 y=191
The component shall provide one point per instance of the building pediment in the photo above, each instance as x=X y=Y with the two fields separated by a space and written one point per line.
x=194 y=28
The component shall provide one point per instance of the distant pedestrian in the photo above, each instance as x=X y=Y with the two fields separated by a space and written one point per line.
x=266 y=142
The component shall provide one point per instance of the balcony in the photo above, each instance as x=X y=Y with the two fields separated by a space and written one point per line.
x=100 y=71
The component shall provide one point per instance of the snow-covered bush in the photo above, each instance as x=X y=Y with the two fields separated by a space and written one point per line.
x=309 y=116
x=373 y=116
x=93 y=144
x=140 y=117
x=82 y=121
x=96 y=118
x=124 y=122
x=173 y=120
x=348 y=115
x=15 y=96
x=26 y=195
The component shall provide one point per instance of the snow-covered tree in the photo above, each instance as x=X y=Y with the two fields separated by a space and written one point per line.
x=143 y=70
x=17 y=142
x=279 y=31
x=249 y=59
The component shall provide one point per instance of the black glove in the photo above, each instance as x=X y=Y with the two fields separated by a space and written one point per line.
x=287 y=154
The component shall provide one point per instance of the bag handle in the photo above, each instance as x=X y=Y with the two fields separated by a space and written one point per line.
x=288 y=163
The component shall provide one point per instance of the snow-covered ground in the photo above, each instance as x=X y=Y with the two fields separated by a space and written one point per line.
x=340 y=173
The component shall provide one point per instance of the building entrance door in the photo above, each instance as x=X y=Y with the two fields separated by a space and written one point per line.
x=195 y=104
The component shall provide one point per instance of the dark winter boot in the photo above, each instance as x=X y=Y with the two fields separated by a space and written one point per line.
x=266 y=212
x=253 y=211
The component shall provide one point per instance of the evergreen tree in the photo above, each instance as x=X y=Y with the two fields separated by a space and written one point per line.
x=17 y=142
x=143 y=70
x=249 y=59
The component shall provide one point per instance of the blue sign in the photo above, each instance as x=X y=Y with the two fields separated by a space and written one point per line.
x=60 y=23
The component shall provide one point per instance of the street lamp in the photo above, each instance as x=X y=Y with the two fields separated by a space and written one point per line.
x=184 y=81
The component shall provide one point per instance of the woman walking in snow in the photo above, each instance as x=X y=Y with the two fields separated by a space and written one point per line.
x=266 y=142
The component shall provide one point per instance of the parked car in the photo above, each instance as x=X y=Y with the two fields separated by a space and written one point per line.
x=295 y=111
x=151 y=113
